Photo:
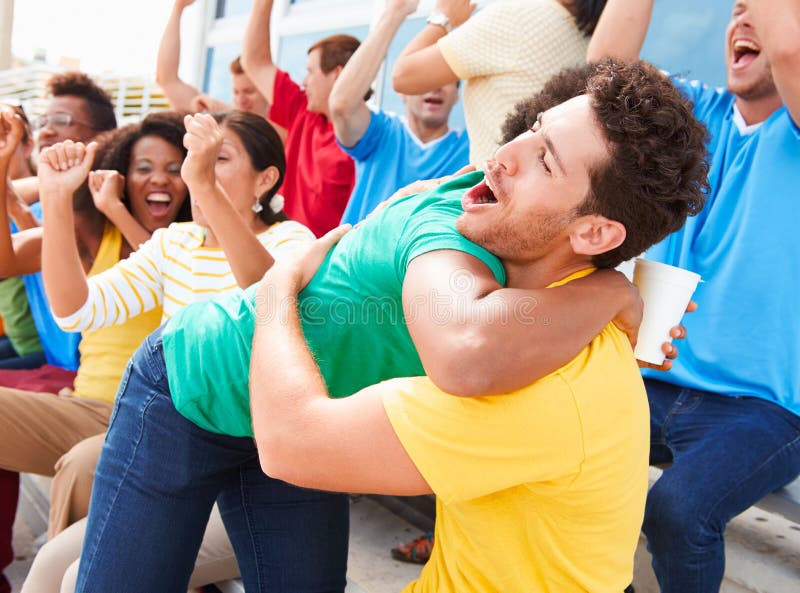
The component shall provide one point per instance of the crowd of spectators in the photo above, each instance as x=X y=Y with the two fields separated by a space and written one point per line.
x=223 y=318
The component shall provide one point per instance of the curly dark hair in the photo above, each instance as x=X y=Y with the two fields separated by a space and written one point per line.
x=658 y=171
x=98 y=101
x=565 y=85
x=116 y=146
x=265 y=149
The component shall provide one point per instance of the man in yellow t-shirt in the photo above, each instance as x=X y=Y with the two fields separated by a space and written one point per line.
x=540 y=489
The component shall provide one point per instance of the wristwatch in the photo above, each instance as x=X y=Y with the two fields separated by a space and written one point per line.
x=440 y=20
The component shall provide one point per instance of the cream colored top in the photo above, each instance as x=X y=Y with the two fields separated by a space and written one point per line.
x=506 y=52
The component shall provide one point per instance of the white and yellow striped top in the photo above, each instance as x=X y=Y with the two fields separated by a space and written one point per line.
x=172 y=269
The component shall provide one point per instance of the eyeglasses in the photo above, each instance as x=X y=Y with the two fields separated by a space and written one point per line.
x=57 y=121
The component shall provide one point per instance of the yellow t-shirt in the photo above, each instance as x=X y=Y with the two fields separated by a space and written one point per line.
x=541 y=490
x=105 y=352
x=506 y=52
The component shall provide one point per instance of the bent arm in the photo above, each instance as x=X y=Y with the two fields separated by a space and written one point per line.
x=421 y=67
x=295 y=421
x=20 y=253
x=349 y=113
x=475 y=337
x=256 y=51
x=248 y=258
x=27 y=188
x=179 y=93
x=777 y=23
x=621 y=30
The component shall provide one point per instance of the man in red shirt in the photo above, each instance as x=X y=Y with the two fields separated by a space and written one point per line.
x=319 y=175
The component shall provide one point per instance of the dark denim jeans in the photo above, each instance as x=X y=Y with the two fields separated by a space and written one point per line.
x=727 y=453
x=156 y=482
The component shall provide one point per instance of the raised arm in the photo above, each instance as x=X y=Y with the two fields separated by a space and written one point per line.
x=106 y=188
x=62 y=169
x=295 y=422
x=247 y=257
x=178 y=92
x=777 y=23
x=256 y=51
x=421 y=68
x=16 y=258
x=621 y=30
x=475 y=337
x=349 y=112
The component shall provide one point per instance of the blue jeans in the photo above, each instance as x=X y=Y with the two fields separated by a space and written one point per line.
x=727 y=453
x=156 y=481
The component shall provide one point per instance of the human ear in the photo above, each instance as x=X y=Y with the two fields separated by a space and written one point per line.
x=267 y=180
x=595 y=234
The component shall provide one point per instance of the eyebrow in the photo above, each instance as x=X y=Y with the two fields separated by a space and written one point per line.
x=551 y=147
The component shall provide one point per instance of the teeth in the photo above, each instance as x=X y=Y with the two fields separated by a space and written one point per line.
x=159 y=197
x=743 y=44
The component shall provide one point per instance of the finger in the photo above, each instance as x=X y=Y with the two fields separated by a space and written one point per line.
x=691 y=307
x=678 y=332
x=88 y=156
x=332 y=237
x=669 y=350
x=74 y=153
x=59 y=157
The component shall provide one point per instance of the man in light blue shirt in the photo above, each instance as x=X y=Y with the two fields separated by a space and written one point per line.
x=728 y=415
x=390 y=151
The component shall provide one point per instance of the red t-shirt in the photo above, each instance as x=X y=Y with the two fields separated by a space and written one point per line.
x=319 y=175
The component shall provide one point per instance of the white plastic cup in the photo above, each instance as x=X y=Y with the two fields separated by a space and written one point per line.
x=666 y=292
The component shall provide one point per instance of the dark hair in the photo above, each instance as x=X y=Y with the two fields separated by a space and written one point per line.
x=658 y=173
x=587 y=13
x=265 y=149
x=98 y=102
x=116 y=147
x=565 y=85
x=236 y=65
x=335 y=50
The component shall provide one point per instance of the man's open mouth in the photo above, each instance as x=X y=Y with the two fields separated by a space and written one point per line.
x=478 y=197
x=433 y=101
x=744 y=52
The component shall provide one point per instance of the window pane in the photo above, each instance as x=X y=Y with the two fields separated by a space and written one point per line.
x=226 y=8
x=217 y=80
x=686 y=37
x=293 y=52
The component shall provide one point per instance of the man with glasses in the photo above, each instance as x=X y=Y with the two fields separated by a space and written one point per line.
x=79 y=110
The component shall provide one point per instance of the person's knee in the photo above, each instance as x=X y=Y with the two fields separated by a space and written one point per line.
x=674 y=518
x=81 y=460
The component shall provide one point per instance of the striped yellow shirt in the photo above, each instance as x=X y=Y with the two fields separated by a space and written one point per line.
x=172 y=269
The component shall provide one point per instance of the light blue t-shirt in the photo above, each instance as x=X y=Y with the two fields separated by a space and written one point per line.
x=389 y=157
x=60 y=347
x=745 y=337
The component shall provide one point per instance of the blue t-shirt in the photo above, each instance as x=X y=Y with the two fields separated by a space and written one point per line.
x=389 y=157
x=60 y=347
x=745 y=337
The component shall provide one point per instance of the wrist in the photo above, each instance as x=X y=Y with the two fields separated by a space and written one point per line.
x=440 y=20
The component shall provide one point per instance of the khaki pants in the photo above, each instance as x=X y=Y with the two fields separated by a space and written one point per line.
x=71 y=489
x=36 y=429
x=55 y=568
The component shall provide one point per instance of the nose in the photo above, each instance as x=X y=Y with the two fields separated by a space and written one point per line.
x=505 y=157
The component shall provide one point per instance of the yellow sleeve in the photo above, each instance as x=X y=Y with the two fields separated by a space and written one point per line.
x=470 y=447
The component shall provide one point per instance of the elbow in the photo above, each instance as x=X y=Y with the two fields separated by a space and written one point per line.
x=469 y=368
x=403 y=79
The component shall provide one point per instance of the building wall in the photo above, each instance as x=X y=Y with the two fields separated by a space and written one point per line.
x=686 y=37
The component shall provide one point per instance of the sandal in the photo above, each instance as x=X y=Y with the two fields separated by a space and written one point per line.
x=416 y=552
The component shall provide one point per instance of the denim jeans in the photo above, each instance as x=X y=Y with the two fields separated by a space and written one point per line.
x=727 y=453
x=156 y=481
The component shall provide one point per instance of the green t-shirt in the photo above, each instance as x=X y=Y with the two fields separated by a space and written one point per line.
x=351 y=313
x=16 y=313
